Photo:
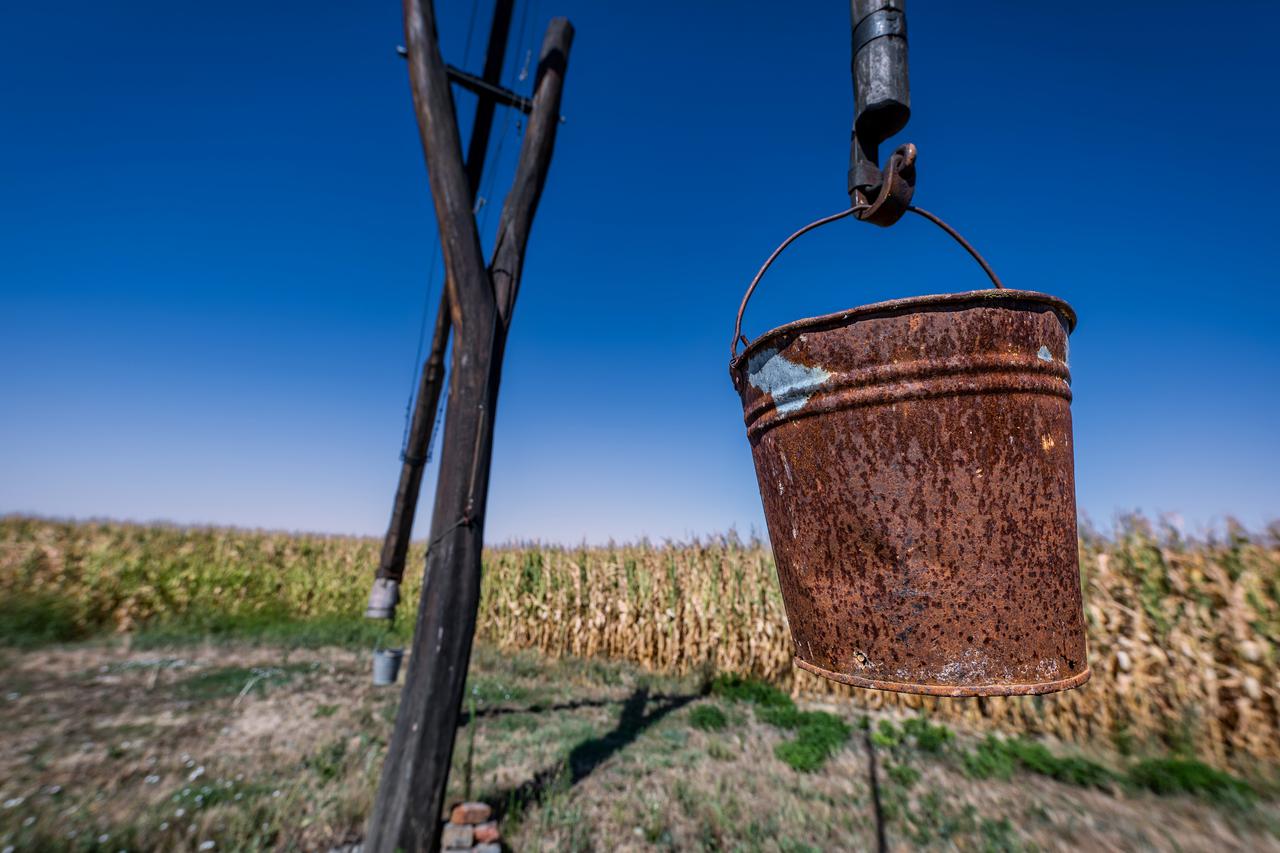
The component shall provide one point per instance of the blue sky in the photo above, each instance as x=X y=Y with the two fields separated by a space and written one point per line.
x=216 y=236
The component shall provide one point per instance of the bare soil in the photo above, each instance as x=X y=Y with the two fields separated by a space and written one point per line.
x=216 y=747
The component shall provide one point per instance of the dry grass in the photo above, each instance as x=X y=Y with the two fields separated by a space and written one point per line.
x=1183 y=635
x=103 y=747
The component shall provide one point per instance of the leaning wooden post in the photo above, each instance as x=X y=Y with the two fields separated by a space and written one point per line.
x=385 y=594
x=407 y=810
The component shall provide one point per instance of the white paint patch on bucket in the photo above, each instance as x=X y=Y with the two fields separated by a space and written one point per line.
x=790 y=384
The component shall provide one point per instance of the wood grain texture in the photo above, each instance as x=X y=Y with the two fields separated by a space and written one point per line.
x=410 y=798
x=405 y=506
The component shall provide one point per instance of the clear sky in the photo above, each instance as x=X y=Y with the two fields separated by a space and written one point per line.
x=215 y=241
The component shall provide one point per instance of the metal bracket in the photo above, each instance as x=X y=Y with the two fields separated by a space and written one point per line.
x=479 y=86
x=882 y=22
x=882 y=106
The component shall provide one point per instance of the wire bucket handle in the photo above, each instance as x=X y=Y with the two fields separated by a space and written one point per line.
x=737 y=327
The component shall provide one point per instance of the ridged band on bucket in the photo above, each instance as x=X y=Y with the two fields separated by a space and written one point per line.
x=915 y=461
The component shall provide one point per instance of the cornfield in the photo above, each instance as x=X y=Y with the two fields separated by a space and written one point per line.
x=1183 y=635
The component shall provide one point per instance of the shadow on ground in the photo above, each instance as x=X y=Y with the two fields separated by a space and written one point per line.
x=465 y=717
x=590 y=754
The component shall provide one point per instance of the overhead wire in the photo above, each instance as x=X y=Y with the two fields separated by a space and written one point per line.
x=416 y=367
x=513 y=77
x=430 y=298
x=480 y=208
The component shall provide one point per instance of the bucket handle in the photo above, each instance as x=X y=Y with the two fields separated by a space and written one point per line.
x=737 y=328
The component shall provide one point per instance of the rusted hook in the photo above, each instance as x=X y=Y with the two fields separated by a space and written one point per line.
x=893 y=195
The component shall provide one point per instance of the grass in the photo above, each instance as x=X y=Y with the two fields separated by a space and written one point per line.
x=741 y=688
x=709 y=718
x=574 y=754
x=1187 y=776
x=818 y=734
x=929 y=815
x=237 y=681
x=998 y=758
x=903 y=774
x=31 y=620
x=675 y=608
x=351 y=631
x=927 y=736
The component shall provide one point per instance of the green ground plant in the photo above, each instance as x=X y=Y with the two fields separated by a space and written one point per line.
x=818 y=734
x=998 y=757
x=30 y=620
x=1189 y=776
x=573 y=754
x=238 y=681
x=709 y=718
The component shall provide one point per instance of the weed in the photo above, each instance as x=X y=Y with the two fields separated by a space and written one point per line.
x=1188 y=776
x=655 y=827
x=329 y=762
x=739 y=688
x=270 y=626
x=928 y=737
x=225 y=682
x=935 y=819
x=998 y=835
x=685 y=796
x=32 y=620
x=489 y=692
x=720 y=751
x=989 y=760
x=817 y=734
x=194 y=797
x=1073 y=770
x=903 y=774
x=886 y=735
x=709 y=718
x=998 y=758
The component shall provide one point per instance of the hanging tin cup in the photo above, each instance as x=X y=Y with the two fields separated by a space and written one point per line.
x=915 y=463
x=386 y=666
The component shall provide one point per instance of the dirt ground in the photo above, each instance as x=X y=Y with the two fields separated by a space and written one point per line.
x=107 y=747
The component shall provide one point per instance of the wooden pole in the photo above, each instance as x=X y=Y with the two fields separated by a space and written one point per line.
x=410 y=798
x=395 y=547
x=482 y=124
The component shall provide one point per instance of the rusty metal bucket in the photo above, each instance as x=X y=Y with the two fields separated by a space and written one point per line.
x=915 y=463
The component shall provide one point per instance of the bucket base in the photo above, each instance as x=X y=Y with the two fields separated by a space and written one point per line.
x=958 y=690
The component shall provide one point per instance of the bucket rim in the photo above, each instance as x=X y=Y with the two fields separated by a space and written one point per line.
x=908 y=303
x=954 y=691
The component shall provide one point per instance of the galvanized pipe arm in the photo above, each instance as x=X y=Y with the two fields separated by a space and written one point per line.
x=882 y=106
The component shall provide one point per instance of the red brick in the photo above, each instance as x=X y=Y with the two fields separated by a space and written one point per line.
x=471 y=813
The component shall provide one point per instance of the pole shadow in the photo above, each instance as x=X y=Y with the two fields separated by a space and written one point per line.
x=584 y=758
